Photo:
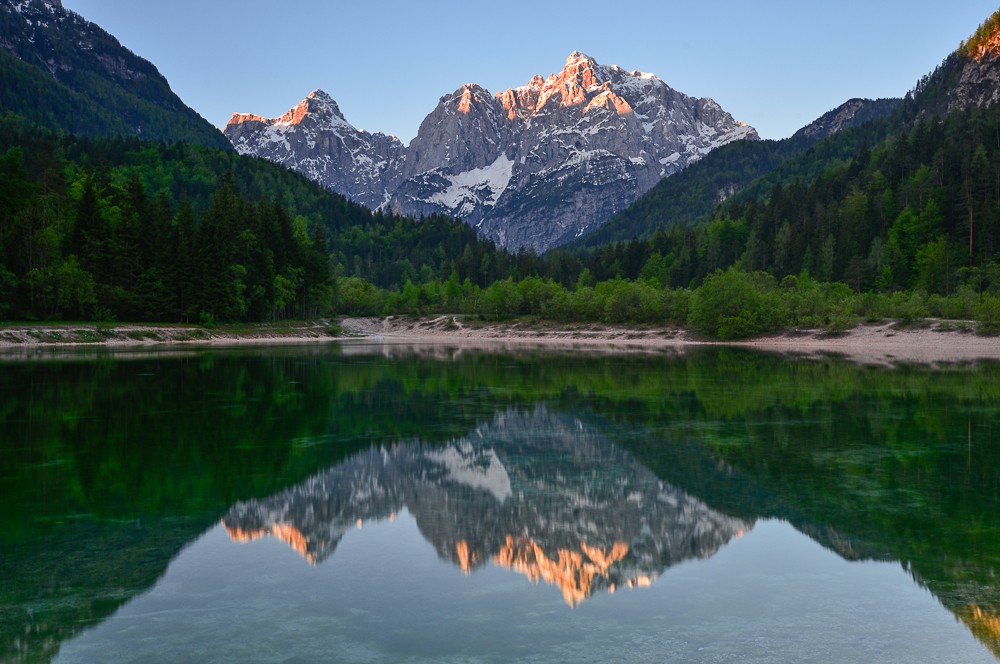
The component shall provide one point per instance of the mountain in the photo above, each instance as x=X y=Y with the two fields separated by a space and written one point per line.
x=968 y=78
x=908 y=202
x=315 y=139
x=979 y=81
x=852 y=113
x=63 y=72
x=531 y=167
x=695 y=193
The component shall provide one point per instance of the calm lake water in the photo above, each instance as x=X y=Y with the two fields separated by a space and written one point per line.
x=366 y=503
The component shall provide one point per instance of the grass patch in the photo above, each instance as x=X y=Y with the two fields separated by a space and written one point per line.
x=88 y=336
x=954 y=326
x=833 y=333
x=912 y=324
x=45 y=336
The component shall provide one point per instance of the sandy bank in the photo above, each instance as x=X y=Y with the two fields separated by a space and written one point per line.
x=868 y=344
x=13 y=337
x=885 y=344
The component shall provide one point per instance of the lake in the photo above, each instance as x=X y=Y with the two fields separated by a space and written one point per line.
x=373 y=503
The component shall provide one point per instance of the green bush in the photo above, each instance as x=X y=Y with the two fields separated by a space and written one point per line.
x=840 y=320
x=959 y=306
x=629 y=302
x=584 y=305
x=909 y=308
x=501 y=301
x=358 y=297
x=988 y=314
x=676 y=306
x=871 y=307
x=736 y=305
x=809 y=303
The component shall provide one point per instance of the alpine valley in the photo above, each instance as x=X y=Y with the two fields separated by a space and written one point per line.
x=531 y=167
x=527 y=451
x=119 y=202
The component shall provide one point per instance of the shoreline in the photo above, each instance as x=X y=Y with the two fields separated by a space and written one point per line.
x=884 y=344
x=138 y=335
x=879 y=344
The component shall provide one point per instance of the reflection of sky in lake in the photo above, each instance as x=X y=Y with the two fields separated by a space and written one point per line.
x=773 y=595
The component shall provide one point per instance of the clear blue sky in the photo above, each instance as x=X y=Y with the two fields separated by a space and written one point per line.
x=775 y=65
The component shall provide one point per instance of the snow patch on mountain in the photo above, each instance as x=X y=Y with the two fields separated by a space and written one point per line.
x=477 y=187
x=532 y=166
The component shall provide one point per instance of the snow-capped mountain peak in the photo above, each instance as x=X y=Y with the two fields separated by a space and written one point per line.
x=313 y=137
x=317 y=104
x=317 y=107
x=531 y=166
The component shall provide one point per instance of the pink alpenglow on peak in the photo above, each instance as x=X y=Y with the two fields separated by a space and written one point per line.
x=531 y=167
x=314 y=138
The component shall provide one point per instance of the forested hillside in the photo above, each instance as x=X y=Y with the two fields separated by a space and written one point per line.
x=693 y=194
x=123 y=229
x=63 y=72
x=904 y=202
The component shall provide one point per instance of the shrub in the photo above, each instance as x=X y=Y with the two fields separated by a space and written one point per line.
x=629 y=302
x=959 y=306
x=872 y=307
x=840 y=320
x=358 y=297
x=501 y=301
x=988 y=314
x=909 y=308
x=676 y=306
x=736 y=305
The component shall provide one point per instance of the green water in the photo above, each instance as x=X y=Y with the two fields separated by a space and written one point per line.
x=372 y=503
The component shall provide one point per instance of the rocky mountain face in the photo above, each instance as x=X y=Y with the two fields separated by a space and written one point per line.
x=315 y=139
x=852 y=113
x=979 y=81
x=61 y=71
x=968 y=78
x=534 y=492
x=692 y=196
x=533 y=166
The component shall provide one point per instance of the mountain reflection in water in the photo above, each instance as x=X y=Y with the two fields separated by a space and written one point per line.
x=583 y=471
x=538 y=493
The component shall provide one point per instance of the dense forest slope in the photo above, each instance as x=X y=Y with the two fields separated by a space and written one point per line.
x=123 y=229
x=64 y=72
x=693 y=194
